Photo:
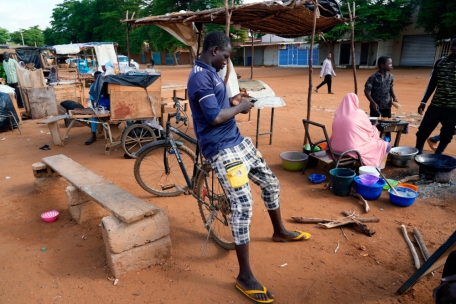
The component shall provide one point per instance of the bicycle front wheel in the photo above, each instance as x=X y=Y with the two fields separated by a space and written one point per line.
x=216 y=209
x=150 y=170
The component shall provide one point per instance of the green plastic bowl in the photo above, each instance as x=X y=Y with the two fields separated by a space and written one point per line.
x=392 y=182
x=293 y=160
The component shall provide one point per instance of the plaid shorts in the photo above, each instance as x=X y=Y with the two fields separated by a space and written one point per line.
x=241 y=198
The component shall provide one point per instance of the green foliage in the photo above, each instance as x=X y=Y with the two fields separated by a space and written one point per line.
x=2 y=71
x=98 y=20
x=31 y=36
x=4 y=36
x=438 y=18
x=375 y=19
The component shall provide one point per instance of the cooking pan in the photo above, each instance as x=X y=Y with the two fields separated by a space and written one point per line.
x=436 y=163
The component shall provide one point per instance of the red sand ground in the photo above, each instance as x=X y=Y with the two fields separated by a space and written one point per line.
x=73 y=269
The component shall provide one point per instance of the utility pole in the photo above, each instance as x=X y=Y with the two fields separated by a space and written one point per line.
x=20 y=30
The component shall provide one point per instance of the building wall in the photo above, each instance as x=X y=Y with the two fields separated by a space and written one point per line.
x=271 y=54
x=386 y=48
x=258 y=55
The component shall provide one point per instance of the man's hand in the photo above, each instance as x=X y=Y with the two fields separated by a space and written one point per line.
x=236 y=99
x=245 y=106
x=421 y=108
x=374 y=105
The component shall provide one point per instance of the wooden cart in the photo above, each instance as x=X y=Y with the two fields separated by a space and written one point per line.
x=127 y=104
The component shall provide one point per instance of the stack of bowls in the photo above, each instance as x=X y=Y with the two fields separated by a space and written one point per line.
x=371 y=192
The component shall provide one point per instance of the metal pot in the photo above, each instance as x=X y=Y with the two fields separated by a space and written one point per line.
x=401 y=156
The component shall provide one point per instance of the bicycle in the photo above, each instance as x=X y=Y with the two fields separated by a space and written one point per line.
x=161 y=169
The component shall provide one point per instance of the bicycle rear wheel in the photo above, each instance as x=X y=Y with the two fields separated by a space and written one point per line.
x=150 y=171
x=218 y=203
x=135 y=137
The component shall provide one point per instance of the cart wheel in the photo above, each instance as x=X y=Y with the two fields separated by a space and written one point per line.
x=135 y=137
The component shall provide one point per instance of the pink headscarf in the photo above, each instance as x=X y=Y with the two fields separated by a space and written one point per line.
x=351 y=129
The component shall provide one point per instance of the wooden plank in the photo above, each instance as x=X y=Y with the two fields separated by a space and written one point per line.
x=173 y=87
x=53 y=119
x=135 y=104
x=122 y=204
x=154 y=87
x=435 y=261
x=42 y=102
x=55 y=133
x=16 y=108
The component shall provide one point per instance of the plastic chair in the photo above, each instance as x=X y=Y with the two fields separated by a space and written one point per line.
x=328 y=156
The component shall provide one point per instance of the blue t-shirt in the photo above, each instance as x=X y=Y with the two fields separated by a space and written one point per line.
x=207 y=95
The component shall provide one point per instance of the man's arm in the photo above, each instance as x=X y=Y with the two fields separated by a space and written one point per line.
x=392 y=94
x=226 y=114
x=367 y=92
x=323 y=68
x=430 y=88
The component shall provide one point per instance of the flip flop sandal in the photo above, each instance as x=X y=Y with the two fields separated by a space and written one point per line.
x=248 y=294
x=45 y=147
x=302 y=236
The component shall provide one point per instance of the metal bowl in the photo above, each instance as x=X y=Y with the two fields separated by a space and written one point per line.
x=401 y=156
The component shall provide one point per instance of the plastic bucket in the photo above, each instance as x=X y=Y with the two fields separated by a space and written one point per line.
x=341 y=180
x=368 y=170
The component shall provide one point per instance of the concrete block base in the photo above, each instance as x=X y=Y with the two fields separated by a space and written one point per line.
x=87 y=211
x=139 y=257
x=120 y=236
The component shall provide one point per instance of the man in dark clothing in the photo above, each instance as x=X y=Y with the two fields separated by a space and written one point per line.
x=445 y=293
x=443 y=105
x=233 y=158
x=379 y=89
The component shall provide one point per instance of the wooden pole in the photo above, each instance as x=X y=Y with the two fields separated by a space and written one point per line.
x=251 y=63
x=227 y=33
x=352 y=26
x=309 y=92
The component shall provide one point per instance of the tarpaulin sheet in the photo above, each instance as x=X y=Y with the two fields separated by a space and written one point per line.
x=28 y=55
x=100 y=85
x=6 y=108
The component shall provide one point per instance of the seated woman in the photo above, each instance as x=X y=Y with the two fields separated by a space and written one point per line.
x=352 y=130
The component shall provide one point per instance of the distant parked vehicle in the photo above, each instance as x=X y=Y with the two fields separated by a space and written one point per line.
x=123 y=60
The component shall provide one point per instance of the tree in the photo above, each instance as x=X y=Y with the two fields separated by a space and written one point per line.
x=375 y=19
x=438 y=18
x=31 y=36
x=4 y=36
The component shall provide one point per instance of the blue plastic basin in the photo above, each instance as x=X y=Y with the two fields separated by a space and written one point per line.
x=406 y=196
x=369 y=192
x=317 y=178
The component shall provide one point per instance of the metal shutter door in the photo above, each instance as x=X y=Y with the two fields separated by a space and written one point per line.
x=418 y=50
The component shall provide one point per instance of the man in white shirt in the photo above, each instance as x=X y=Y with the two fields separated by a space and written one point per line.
x=9 y=65
x=326 y=70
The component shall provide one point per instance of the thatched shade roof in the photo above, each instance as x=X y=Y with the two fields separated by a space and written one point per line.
x=292 y=19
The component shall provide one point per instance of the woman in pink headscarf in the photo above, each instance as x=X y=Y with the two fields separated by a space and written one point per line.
x=352 y=129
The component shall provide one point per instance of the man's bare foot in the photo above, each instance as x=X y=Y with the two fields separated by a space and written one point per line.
x=249 y=283
x=287 y=236
x=433 y=145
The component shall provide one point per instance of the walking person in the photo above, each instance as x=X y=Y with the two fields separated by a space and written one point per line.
x=9 y=65
x=327 y=71
x=443 y=105
x=233 y=158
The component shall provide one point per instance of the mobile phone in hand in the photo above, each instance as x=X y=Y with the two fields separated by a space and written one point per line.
x=253 y=100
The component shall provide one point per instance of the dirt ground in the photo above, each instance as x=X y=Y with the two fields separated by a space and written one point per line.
x=73 y=269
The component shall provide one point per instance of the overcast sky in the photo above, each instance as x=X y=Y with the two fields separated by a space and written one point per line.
x=23 y=14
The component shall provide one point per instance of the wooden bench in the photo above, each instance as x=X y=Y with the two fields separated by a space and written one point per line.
x=136 y=235
x=122 y=204
x=53 y=125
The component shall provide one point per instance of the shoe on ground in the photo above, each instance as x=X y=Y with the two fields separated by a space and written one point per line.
x=316 y=90
x=433 y=145
x=330 y=92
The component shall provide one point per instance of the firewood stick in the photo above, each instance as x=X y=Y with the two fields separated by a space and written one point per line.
x=311 y=220
x=409 y=178
x=366 y=205
x=412 y=249
x=421 y=244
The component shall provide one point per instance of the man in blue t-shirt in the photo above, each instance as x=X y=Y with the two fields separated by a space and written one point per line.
x=233 y=158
